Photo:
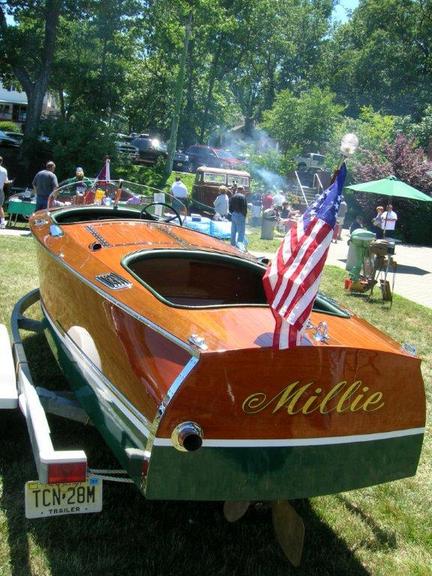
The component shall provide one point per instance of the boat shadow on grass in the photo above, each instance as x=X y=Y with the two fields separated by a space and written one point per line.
x=133 y=536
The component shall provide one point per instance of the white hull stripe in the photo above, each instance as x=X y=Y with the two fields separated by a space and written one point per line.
x=291 y=442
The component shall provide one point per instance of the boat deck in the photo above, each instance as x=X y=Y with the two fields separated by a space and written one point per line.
x=224 y=327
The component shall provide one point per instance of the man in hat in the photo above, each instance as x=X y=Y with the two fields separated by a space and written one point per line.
x=221 y=204
x=179 y=192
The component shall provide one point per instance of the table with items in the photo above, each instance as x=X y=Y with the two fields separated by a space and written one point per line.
x=19 y=205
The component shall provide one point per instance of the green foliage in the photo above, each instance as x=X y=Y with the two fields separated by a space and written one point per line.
x=92 y=59
x=9 y=126
x=306 y=121
x=375 y=132
x=150 y=175
x=422 y=131
x=81 y=141
x=381 y=58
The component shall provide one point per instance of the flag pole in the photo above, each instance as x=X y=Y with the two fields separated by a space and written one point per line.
x=291 y=281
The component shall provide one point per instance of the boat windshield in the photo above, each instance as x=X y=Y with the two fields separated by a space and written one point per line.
x=145 y=200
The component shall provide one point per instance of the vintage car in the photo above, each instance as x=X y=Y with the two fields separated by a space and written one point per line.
x=208 y=180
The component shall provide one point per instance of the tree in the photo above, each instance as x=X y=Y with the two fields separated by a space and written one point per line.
x=281 y=41
x=306 y=121
x=93 y=56
x=28 y=47
x=382 y=57
x=375 y=132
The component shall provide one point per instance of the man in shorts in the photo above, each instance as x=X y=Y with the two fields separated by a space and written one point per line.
x=44 y=183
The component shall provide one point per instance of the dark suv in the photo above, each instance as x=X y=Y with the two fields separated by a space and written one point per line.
x=149 y=149
x=200 y=155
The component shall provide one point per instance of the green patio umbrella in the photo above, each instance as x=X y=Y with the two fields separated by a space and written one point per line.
x=391 y=186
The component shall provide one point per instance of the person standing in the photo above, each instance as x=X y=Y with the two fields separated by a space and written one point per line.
x=378 y=223
x=278 y=199
x=3 y=181
x=44 y=183
x=256 y=201
x=79 y=179
x=238 y=209
x=357 y=223
x=221 y=204
x=180 y=193
x=79 y=184
x=340 y=218
x=267 y=201
x=388 y=219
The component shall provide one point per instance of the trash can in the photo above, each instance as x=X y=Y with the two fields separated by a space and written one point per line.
x=358 y=248
x=268 y=224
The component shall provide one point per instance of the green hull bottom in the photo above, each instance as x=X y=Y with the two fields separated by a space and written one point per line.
x=258 y=473
x=279 y=473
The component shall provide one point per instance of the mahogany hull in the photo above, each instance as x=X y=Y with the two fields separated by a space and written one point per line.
x=318 y=419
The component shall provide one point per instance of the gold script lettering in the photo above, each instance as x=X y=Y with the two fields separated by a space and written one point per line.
x=295 y=400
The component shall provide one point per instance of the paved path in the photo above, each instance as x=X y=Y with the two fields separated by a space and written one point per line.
x=414 y=271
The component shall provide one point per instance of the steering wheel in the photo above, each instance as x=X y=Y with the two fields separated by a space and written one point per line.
x=146 y=212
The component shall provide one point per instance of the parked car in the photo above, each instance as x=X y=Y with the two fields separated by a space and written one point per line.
x=208 y=180
x=181 y=161
x=124 y=146
x=228 y=160
x=17 y=136
x=201 y=155
x=149 y=149
x=310 y=161
x=7 y=142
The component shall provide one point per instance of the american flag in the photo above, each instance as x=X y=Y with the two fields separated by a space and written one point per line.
x=292 y=279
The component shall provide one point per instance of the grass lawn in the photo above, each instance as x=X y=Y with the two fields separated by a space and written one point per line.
x=384 y=530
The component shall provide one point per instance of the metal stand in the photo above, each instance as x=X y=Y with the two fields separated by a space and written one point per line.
x=384 y=266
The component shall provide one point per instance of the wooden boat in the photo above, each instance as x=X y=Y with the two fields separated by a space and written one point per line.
x=166 y=338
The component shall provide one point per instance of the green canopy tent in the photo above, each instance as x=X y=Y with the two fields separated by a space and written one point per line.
x=391 y=186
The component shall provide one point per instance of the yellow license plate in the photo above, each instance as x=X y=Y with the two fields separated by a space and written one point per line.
x=43 y=500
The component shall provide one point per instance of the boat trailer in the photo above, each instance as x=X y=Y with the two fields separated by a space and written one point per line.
x=17 y=390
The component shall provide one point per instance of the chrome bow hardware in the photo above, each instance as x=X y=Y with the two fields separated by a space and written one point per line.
x=321 y=332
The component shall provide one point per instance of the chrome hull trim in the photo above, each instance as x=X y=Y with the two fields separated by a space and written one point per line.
x=169 y=396
x=291 y=442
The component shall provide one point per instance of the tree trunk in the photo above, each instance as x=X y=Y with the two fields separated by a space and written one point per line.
x=249 y=125
x=212 y=80
x=178 y=100
x=36 y=89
